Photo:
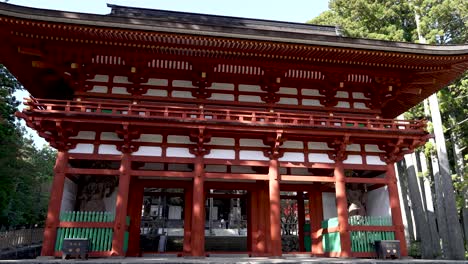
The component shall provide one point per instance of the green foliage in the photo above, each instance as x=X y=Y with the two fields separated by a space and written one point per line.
x=25 y=171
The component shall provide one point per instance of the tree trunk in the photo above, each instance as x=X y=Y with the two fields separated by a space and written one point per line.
x=429 y=205
x=402 y=179
x=419 y=215
x=456 y=245
x=460 y=169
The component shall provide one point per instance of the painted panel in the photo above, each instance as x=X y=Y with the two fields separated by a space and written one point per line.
x=181 y=83
x=374 y=160
x=85 y=135
x=358 y=105
x=179 y=152
x=288 y=101
x=343 y=104
x=318 y=145
x=100 y=78
x=156 y=92
x=292 y=156
x=223 y=97
x=353 y=147
x=252 y=155
x=148 y=151
x=250 y=142
x=221 y=154
x=98 y=89
x=342 y=94
x=182 y=94
x=372 y=148
x=157 y=82
x=329 y=205
x=108 y=149
x=179 y=167
x=311 y=92
x=110 y=136
x=154 y=138
x=83 y=148
x=109 y=202
x=287 y=90
x=311 y=102
x=121 y=79
x=250 y=88
x=353 y=159
x=320 y=158
x=219 y=141
x=250 y=98
x=293 y=144
x=178 y=139
x=222 y=86
x=378 y=203
x=119 y=90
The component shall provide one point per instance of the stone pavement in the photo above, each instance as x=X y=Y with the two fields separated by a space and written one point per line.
x=226 y=259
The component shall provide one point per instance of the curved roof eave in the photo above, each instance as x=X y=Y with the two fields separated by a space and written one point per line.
x=318 y=39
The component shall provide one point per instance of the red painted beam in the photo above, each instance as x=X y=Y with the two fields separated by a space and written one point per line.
x=236 y=176
x=366 y=180
x=306 y=179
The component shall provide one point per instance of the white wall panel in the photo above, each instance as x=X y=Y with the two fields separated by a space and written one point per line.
x=181 y=83
x=82 y=148
x=110 y=136
x=252 y=155
x=100 y=78
x=157 y=82
x=108 y=149
x=178 y=139
x=250 y=88
x=148 y=151
x=320 y=158
x=99 y=89
x=179 y=152
x=154 y=138
x=293 y=157
x=219 y=141
x=156 y=92
x=221 y=154
x=222 y=86
x=378 y=203
x=222 y=97
x=250 y=142
x=353 y=159
x=374 y=160
x=329 y=205
x=318 y=145
x=85 y=135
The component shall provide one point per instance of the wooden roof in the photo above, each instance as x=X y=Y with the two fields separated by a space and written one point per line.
x=56 y=39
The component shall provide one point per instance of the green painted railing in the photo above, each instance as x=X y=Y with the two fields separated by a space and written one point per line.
x=363 y=241
x=100 y=238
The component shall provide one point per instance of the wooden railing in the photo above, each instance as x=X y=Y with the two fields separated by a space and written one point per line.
x=21 y=237
x=211 y=114
x=363 y=240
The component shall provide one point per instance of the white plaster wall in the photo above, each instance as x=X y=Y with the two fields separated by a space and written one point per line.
x=182 y=94
x=320 y=158
x=249 y=88
x=100 y=78
x=154 y=138
x=357 y=95
x=108 y=149
x=70 y=190
x=179 y=152
x=288 y=101
x=252 y=155
x=156 y=92
x=247 y=142
x=157 y=82
x=242 y=169
x=222 y=97
x=353 y=147
x=222 y=86
x=178 y=139
x=329 y=205
x=311 y=102
x=221 y=154
x=378 y=203
x=293 y=144
x=374 y=160
x=109 y=136
x=353 y=159
x=250 y=98
x=148 y=151
x=318 y=145
x=99 y=89
x=343 y=104
x=83 y=148
x=287 y=90
x=181 y=83
x=119 y=90
x=372 y=148
x=219 y=141
x=216 y=168
x=358 y=105
x=342 y=94
x=292 y=156
x=85 y=135
x=311 y=92
x=121 y=79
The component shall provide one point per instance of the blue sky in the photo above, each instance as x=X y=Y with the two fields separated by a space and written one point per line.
x=292 y=10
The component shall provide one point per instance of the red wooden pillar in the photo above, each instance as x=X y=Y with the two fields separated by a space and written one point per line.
x=316 y=218
x=188 y=220
x=198 y=210
x=342 y=209
x=121 y=206
x=263 y=237
x=254 y=223
x=53 y=213
x=249 y=222
x=275 y=207
x=301 y=220
x=135 y=204
x=397 y=219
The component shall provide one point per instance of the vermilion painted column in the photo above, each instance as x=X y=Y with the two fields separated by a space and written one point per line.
x=342 y=209
x=121 y=206
x=188 y=220
x=263 y=237
x=198 y=210
x=316 y=218
x=397 y=219
x=53 y=213
x=275 y=207
x=254 y=219
x=249 y=221
x=134 y=210
x=301 y=220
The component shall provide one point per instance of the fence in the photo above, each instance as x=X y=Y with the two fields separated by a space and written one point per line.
x=363 y=241
x=20 y=238
x=100 y=238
